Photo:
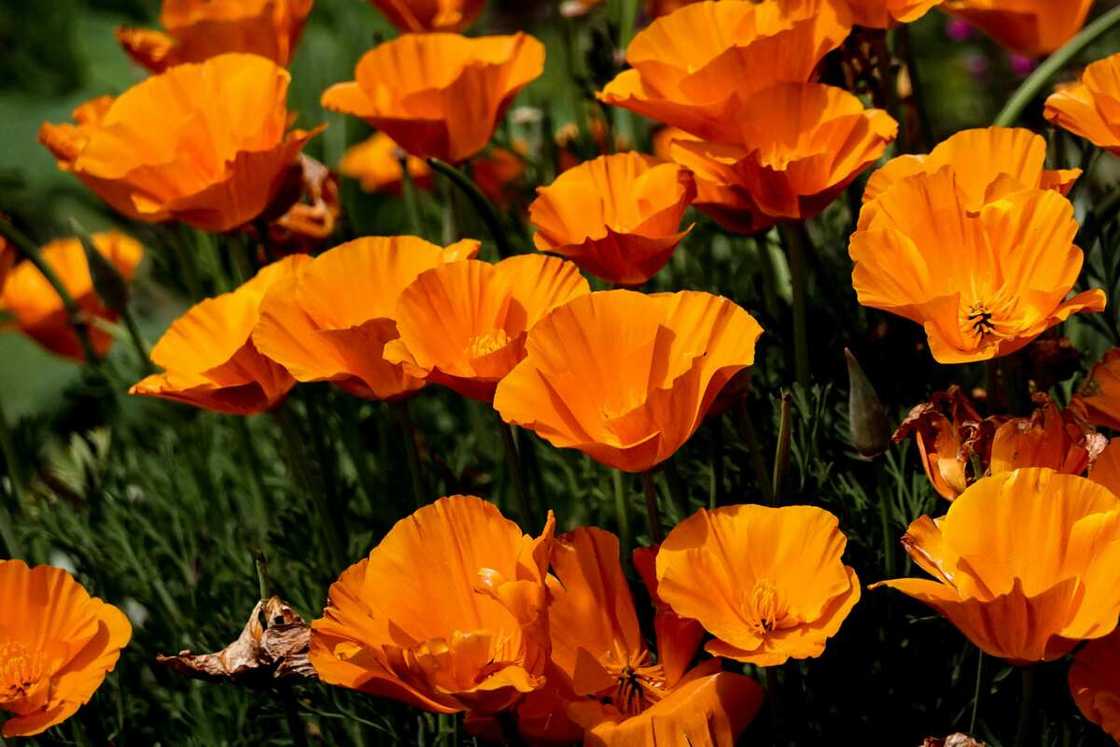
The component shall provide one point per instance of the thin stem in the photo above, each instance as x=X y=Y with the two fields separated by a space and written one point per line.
x=622 y=511
x=888 y=536
x=296 y=726
x=905 y=42
x=260 y=507
x=976 y=692
x=264 y=581
x=1026 y=708
x=797 y=244
x=758 y=462
x=137 y=339
x=513 y=465
x=781 y=453
x=653 y=513
x=412 y=452
x=485 y=208
x=408 y=191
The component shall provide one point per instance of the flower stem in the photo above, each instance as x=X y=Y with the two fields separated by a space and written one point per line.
x=888 y=536
x=412 y=452
x=485 y=208
x=260 y=506
x=906 y=48
x=781 y=454
x=1026 y=708
x=516 y=478
x=622 y=512
x=797 y=244
x=411 y=204
x=653 y=513
x=976 y=692
x=758 y=462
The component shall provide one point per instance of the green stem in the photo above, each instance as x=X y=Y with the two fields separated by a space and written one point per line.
x=411 y=203
x=260 y=506
x=483 y=206
x=653 y=513
x=264 y=581
x=622 y=511
x=888 y=536
x=758 y=462
x=296 y=726
x=918 y=92
x=137 y=339
x=517 y=480
x=1040 y=78
x=797 y=244
x=1026 y=708
x=781 y=454
x=412 y=452
x=976 y=691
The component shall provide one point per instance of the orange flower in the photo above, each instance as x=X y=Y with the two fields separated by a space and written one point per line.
x=1098 y=399
x=57 y=643
x=430 y=15
x=1027 y=563
x=1094 y=680
x=331 y=319
x=376 y=164
x=210 y=360
x=625 y=377
x=312 y=218
x=1050 y=437
x=443 y=631
x=497 y=173
x=1030 y=27
x=464 y=324
x=617 y=217
x=1106 y=469
x=882 y=14
x=983 y=283
x=1088 y=108
x=439 y=95
x=200 y=29
x=205 y=144
x=7 y=261
x=36 y=307
x=799 y=145
x=693 y=68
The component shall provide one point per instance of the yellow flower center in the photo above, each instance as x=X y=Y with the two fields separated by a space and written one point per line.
x=20 y=671
x=639 y=683
x=764 y=608
x=488 y=342
x=997 y=316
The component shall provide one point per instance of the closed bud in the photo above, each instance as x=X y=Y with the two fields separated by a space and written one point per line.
x=109 y=285
x=870 y=431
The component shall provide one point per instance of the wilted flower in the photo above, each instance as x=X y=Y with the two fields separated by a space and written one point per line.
x=206 y=144
x=331 y=319
x=210 y=360
x=312 y=218
x=36 y=307
x=197 y=30
x=617 y=217
x=1094 y=681
x=1030 y=27
x=1050 y=437
x=1098 y=399
x=439 y=95
x=464 y=324
x=767 y=583
x=57 y=643
x=376 y=164
x=626 y=377
x=442 y=631
x=430 y=15
x=1088 y=108
x=1027 y=563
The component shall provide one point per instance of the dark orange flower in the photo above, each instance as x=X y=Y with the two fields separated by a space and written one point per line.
x=312 y=218
x=1050 y=437
x=197 y=30
x=1027 y=563
x=57 y=643
x=206 y=144
x=439 y=95
x=1088 y=108
x=1030 y=27
x=497 y=173
x=210 y=360
x=693 y=68
x=331 y=319
x=376 y=164
x=617 y=217
x=1094 y=681
x=443 y=631
x=464 y=324
x=1098 y=399
x=7 y=261
x=1106 y=469
x=36 y=307
x=799 y=145
x=430 y=15
x=625 y=377
x=882 y=14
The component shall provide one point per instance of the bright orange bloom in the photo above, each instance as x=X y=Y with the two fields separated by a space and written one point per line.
x=983 y=283
x=430 y=15
x=57 y=643
x=331 y=319
x=1050 y=437
x=464 y=324
x=617 y=217
x=439 y=95
x=1027 y=563
x=1094 y=681
x=798 y=147
x=1030 y=27
x=1088 y=108
x=200 y=29
x=626 y=377
x=376 y=164
x=210 y=360
x=36 y=307
x=882 y=14
x=693 y=68
x=446 y=631
x=204 y=144
x=1098 y=399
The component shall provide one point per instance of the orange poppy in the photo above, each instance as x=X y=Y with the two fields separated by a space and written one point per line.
x=206 y=144
x=882 y=14
x=694 y=67
x=312 y=218
x=1050 y=437
x=983 y=283
x=1097 y=401
x=331 y=319
x=197 y=30
x=464 y=324
x=799 y=145
x=1027 y=563
x=1032 y=28
x=617 y=217
x=37 y=308
x=497 y=173
x=442 y=631
x=1094 y=681
x=57 y=643
x=439 y=95
x=209 y=358
x=1088 y=108
x=376 y=164
x=626 y=377
x=430 y=15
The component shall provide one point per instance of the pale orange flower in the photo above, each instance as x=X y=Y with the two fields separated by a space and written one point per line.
x=617 y=217
x=439 y=95
x=209 y=358
x=443 y=631
x=1097 y=401
x=625 y=377
x=37 y=308
x=331 y=319
x=1027 y=563
x=983 y=282
x=197 y=30
x=1050 y=437
x=1030 y=27
x=799 y=145
x=430 y=15
x=1094 y=681
x=57 y=643
x=376 y=164
x=206 y=144
x=464 y=324
x=1088 y=108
